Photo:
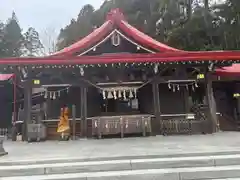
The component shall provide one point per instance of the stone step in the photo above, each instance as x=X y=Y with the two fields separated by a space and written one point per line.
x=169 y=163
x=55 y=160
x=193 y=173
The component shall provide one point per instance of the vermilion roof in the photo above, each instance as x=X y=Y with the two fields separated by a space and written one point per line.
x=5 y=77
x=115 y=19
x=230 y=70
x=88 y=41
x=168 y=57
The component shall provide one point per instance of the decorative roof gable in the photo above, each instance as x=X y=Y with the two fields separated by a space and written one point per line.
x=115 y=20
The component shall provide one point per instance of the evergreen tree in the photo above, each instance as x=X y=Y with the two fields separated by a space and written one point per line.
x=1 y=40
x=184 y=24
x=32 y=43
x=12 y=38
x=78 y=28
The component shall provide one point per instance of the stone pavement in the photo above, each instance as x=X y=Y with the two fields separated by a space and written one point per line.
x=127 y=147
x=193 y=157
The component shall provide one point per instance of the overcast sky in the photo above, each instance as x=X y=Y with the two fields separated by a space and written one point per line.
x=42 y=14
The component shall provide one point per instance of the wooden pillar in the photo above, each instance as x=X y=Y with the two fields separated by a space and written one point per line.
x=48 y=109
x=185 y=94
x=211 y=103
x=156 y=107
x=27 y=107
x=81 y=112
x=83 y=106
x=73 y=122
x=85 y=109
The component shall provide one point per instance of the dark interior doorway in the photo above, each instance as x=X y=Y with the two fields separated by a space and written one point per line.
x=119 y=106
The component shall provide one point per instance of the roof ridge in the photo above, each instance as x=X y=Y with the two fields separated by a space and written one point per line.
x=115 y=15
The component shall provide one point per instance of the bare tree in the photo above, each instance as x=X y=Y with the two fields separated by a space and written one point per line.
x=49 y=40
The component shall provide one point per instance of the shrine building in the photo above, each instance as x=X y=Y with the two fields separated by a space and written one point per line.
x=119 y=81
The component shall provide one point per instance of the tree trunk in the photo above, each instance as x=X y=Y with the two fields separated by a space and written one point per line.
x=189 y=9
x=206 y=4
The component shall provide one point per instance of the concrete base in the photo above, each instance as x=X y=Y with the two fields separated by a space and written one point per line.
x=2 y=150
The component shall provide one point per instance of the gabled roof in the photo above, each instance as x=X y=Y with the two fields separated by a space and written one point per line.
x=233 y=70
x=5 y=77
x=115 y=20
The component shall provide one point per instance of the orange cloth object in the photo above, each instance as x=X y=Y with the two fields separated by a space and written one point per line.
x=63 y=125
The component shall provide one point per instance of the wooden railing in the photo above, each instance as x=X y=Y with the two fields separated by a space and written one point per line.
x=122 y=125
x=181 y=124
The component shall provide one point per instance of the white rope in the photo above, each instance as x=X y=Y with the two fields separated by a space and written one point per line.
x=136 y=44
x=42 y=94
x=106 y=38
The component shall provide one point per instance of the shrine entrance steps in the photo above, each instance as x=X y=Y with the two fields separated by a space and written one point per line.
x=199 y=166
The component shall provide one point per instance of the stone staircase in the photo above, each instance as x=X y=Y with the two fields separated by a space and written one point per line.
x=201 y=166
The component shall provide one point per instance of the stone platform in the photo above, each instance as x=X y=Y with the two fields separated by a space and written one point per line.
x=203 y=157
x=120 y=148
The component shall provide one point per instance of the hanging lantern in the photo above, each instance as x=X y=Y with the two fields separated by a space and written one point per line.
x=104 y=94
x=178 y=87
x=174 y=88
x=187 y=87
x=110 y=96
x=46 y=95
x=67 y=90
x=81 y=71
x=115 y=94
x=131 y=94
x=119 y=94
x=59 y=93
x=124 y=95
